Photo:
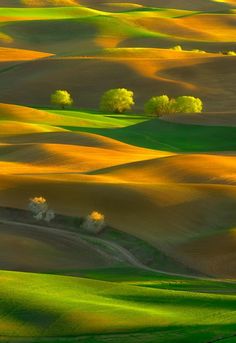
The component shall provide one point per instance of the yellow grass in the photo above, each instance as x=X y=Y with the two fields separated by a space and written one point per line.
x=11 y=54
x=6 y=39
x=203 y=27
x=214 y=26
x=14 y=128
x=215 y=169
x=60 y=158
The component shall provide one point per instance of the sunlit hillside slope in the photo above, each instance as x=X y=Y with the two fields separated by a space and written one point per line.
x=109 y=311
x=183 y=200
x=130 y=48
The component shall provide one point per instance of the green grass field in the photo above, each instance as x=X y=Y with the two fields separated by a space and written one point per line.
x=78 y=11
x=139 y=130
x=51 y=307
x=154 y=133
x=95 y=119
x=48 y=13
x=157 y=134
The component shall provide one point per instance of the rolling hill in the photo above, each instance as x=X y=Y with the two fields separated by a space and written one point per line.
x=41 y=250
x=110 y=311
x=93 y=171
x=164 y=267
x=79 y=37
x=159 y=76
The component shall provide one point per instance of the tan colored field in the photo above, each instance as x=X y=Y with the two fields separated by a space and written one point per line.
x=221 y=251
x=166 y=215
x=58 y=158
x=204 y=27
x=208 y=77
x=198 y=5
x=84 y=32
x=14 y=127
x=41 y=250
x=60 y=151
x=214 y=169
x=218 y=119
x=173 y=201
x=10 y=55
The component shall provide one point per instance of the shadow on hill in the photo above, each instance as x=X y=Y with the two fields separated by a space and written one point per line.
x=17 y=310
x=56 y=35
x=192 y=301
x=202 y=74
x=161 y=135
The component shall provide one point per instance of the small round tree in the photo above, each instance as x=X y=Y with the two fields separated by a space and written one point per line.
x=61 y=98
x=231 y=53
x=117 y=100
x=158 y=105
x=188 y=104
x=94 y=222
x=177 y=48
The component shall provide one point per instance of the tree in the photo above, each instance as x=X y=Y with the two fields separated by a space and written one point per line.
x=199 y=51
x=231 y=53
x=61 y=98
x=117 y=100
x=177 y=48
x=188 y=104
x=94 y=222
x=39 y=208
x=158 y=105
x=161 y=105
x=49 y=215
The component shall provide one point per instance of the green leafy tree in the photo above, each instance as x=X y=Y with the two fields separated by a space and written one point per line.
x=231 y=53
x=177 y=48
x=199 y=51
x=117 y=100
x=158 y=105
x=188 y=104
x=61 y=98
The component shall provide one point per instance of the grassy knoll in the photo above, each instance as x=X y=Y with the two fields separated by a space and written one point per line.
x=150 y=279
x=159 y=134
x=70 y=118
x=77 y=11
x=47 y=13
x=29 y=30
x=93 y=119
x=141 y=22
x=68 y=306
x=132 y=129
x=22 y=25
